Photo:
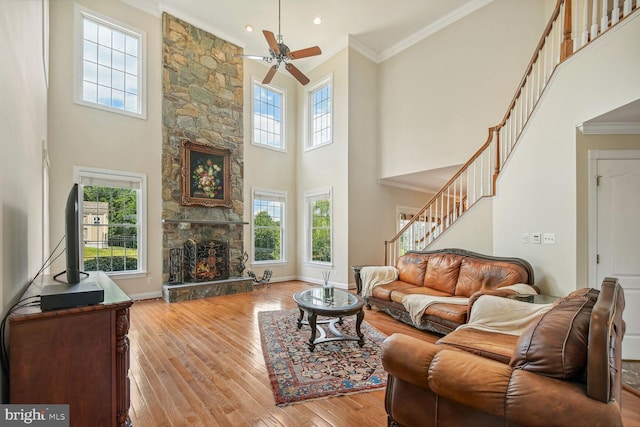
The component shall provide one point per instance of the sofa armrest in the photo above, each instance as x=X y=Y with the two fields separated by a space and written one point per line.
x=408 y=358
x=522 y=397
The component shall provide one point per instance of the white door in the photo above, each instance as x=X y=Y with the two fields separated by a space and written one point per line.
x=618 y=239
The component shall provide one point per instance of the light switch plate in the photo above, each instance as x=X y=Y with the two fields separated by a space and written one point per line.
x=535 y=238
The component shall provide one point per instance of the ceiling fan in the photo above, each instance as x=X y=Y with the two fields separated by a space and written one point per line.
x=279 y=53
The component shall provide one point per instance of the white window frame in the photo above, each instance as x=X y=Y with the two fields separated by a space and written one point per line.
x=80 y=13
x=282 y=93
x=86 y=175
x=328 y=81
x=309 y=198
x=273 y=195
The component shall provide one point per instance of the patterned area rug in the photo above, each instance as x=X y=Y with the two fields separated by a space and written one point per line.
x=332 y=369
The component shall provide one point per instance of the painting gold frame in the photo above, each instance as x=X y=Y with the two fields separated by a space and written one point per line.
x=205 y=175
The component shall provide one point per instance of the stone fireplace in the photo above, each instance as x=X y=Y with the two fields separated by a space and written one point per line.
x=202 y=102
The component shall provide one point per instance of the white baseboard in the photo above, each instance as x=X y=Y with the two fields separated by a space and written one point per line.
x=146 y=295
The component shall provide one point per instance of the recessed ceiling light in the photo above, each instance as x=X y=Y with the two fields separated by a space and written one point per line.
x=317 y=20
x=249 y=28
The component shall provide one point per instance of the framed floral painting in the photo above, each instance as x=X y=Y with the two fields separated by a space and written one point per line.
x=206 y=175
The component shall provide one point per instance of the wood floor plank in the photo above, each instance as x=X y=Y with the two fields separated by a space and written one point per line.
x=200 y=363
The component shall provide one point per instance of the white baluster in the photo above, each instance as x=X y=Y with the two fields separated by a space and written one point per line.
x=604 y=19
x=615 y=12
x=594 y=20
x=627 y=7
x=585 y=23
x=575 y=28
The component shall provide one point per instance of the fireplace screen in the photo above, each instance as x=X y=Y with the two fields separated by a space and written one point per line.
x=201 y=262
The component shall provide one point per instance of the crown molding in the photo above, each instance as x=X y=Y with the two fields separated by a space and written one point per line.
x=431 y=29
x=611 y=128
x=151 y=9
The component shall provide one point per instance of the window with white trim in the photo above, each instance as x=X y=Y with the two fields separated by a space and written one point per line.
x=268 y=117
x=319 y=227
x=320 y=114
x=268 y=231
x=110 y=64
x=112 y=204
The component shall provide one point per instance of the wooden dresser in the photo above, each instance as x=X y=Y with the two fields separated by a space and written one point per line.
x=77 y=356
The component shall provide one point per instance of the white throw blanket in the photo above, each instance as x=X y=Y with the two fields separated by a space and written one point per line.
x=376 y=276
x=504 y=315
x=416 y=304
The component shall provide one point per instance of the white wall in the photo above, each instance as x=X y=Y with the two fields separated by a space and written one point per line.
x=86 y=136
x=267 y=169
x=23 y=127
x=537 y=192
x=326 y=167
x=23 y=133
x=371 y=205
x=439 y=97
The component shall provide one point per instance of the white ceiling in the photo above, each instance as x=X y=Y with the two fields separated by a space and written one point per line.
x=377 y=28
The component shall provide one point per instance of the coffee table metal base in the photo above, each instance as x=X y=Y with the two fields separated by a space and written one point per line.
x=316 y=326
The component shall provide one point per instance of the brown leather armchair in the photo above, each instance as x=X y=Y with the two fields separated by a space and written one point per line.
x=565 y=370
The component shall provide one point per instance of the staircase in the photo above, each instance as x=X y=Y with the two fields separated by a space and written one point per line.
x=572 y=26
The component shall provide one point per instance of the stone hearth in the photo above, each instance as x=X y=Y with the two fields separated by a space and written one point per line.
x=189 y=291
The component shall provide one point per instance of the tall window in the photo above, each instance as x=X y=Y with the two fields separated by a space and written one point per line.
x=320 y=113
x=268 y=108
x=319 y=231
x=268 y=226
x=113 y=227
x=110 y=62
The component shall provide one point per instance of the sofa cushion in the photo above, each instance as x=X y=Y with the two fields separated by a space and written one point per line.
x=442 y=272
x=411 y=268
x=454 y=313
x=399 y=293
x=479 y=274
x=556 y=344
x=493 y=345
x=384 y=291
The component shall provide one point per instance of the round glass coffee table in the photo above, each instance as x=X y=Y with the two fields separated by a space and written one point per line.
x=313 y=302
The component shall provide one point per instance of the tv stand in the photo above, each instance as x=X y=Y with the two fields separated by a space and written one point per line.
x=77 y=356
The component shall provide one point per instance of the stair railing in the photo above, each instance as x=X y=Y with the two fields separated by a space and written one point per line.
x=565 y=33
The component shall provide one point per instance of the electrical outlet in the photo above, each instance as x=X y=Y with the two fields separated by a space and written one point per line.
x=150 y=280
x=535 y=238
x=549 y=238
x=525 y=238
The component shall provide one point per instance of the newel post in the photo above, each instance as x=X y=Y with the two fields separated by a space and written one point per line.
x=566 y=50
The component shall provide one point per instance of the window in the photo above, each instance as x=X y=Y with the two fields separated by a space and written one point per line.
x=319 y=245
x=320 y=112
x=268 y=120
x=268 y=226
x=110 y=59
x=113 y=228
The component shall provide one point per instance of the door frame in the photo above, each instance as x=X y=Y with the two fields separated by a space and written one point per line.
x=594 y=156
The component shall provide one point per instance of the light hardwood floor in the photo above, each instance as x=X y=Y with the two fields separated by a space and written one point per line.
x=200 y=363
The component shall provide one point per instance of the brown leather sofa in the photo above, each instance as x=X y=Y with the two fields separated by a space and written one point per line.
x=564 y=370
x=446 y=272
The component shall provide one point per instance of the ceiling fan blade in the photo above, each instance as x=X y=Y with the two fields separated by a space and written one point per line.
x=271 y=41
x=297 y=74
x=270 y=74
x=263 y=58
x=304 y=53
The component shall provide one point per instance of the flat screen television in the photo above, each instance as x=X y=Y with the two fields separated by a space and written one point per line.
x=72 y=238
